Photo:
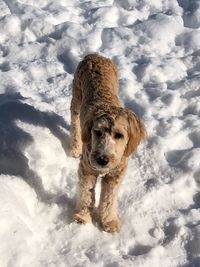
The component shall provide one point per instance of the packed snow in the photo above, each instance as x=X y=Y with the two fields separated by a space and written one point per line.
x=156 y=47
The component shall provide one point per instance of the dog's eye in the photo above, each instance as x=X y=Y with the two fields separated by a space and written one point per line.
x=118 y=136
x=98 y=133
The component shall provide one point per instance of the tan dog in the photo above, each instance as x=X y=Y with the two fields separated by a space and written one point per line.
x=105 y=133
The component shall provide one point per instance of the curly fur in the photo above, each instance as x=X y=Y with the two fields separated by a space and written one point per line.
x=105 y=134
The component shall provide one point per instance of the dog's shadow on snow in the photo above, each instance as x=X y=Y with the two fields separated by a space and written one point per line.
x=13 y=140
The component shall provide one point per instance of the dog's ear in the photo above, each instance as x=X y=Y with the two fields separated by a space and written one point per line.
x=86 y=128
x=136 y=133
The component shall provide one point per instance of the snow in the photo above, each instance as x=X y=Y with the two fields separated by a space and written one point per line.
x=156 y=47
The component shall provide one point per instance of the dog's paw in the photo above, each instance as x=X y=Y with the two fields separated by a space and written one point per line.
x=75 y=153
x=112 y=226
x=82 y=217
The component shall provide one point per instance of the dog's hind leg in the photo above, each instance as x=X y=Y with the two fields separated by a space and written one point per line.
x=75 y=130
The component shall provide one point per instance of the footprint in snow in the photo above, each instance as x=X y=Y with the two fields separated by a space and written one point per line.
x=5 y=66
x=139 y=249
x=190 y=15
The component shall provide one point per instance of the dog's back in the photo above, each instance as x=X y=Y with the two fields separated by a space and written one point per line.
x=96 y=77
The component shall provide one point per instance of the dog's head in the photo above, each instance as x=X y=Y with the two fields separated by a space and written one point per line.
x=111 y=133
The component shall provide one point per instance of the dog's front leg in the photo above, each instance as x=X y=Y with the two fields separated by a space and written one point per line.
x=75 y=131
x=108 y=203
x=86 y=197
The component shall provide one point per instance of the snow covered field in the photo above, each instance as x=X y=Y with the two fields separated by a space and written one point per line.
x=156 y=47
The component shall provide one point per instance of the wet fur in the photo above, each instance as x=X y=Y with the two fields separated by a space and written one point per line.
x=95 y=102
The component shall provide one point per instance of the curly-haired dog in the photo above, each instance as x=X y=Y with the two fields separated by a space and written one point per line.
x=105 y=134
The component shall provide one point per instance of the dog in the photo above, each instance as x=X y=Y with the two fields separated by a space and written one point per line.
x=104 y=134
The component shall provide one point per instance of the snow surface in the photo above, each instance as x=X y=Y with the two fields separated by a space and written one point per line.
x=156 y=46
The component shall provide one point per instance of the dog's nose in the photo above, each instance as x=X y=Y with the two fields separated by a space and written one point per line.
x=102 y=160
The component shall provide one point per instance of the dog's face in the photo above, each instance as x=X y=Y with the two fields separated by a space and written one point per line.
x=110 y=137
